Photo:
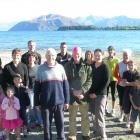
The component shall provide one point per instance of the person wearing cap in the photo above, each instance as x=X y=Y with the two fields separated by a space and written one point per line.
x=51 y=93
x=31 y=48
x=15 y=67
x=111 y=60
x=79 y=77
x=63 y=57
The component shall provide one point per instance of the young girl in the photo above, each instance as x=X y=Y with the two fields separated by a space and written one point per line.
x=11 y=120
x=1 y=114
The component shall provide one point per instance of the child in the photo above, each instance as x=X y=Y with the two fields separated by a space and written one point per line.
x=11 y=120
x=22 y=95
x=128 y=76
x=1 y=114
x=135 y=100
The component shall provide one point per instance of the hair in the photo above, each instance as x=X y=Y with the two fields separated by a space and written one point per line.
x=10 y=88
x=128 y=51
x=62 y=43
x=98 y=50
x=30 y=41
x=110 y=48
x=76 y=49
x=88 y=51
x=51 y=51
x=16 y=50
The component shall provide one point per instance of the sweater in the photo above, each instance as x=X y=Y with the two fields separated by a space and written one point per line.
x=51 y=86
x=100 y=78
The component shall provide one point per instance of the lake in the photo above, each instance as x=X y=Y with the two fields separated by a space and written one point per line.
x=84 y=39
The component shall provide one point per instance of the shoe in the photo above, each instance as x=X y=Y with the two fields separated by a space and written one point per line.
x=25 y=132
x=113 y=113
x=86 y=137
x=133 y=130
x=71 y=138
x=121 y=117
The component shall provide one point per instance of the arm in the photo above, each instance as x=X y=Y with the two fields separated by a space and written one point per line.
x=105 y=79
x=116 y=73
x=5 y=104
x=37 y=88
x=86 y=86
x=16 y=104
x=26 y=76
x=131 y=100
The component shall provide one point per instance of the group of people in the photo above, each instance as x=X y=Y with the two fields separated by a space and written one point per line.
x=66 y=82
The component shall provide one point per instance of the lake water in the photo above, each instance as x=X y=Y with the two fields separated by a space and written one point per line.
x=85 y=39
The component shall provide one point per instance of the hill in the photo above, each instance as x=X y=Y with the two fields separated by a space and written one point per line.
x=53 y=22
x=44 y=23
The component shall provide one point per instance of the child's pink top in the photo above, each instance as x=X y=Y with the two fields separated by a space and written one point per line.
x=11 y=112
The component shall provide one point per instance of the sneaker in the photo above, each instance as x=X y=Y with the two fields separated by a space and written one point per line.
x=86 y=137
x=113 y=113
x=25 y=132
x=71 y=137
x=121 y=117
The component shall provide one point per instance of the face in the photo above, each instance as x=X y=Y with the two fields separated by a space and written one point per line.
x=17 y=81
x=31 y=59
x=88 y=55
x=125 y=57
x=51 y=59
x=63 y=49
x=77 y=56
x=111 y=52
x=16 y=57
x=32 y=46
x=131 y=66
x=10 y=93
x=98 y=57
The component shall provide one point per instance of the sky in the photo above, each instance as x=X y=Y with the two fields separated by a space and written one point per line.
x=12 y=11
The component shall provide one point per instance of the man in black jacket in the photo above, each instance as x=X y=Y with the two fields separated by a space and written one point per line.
x=32 y=48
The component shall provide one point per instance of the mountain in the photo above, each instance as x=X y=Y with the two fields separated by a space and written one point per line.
x=108 y=22
x=44 y=23
x=53 y=22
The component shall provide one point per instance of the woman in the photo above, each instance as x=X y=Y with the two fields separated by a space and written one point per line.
x=98 y=91
x=118 y=73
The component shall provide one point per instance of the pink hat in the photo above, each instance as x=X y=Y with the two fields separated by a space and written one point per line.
x=76 y=49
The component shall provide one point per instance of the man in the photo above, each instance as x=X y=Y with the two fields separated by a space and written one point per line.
x=79 y=77
x=63 y=57
x=15 y=67
x=52 y=94
x=32 y=48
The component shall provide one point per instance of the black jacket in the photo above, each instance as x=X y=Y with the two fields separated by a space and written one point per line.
x=25 y=57
x=23 y=97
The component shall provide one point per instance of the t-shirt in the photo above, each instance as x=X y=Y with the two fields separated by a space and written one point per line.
x=135 y=93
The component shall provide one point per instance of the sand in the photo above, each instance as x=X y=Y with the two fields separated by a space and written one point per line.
x=6 y=56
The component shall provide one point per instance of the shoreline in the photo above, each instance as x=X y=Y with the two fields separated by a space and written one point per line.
x=5 y=55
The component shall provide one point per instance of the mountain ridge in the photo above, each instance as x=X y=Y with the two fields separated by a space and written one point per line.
x=53 y=22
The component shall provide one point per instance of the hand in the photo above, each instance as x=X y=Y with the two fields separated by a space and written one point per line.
x=66 y=106
x=81 y=96
x=77 y=93
x=92 y=96
x=37 y=108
